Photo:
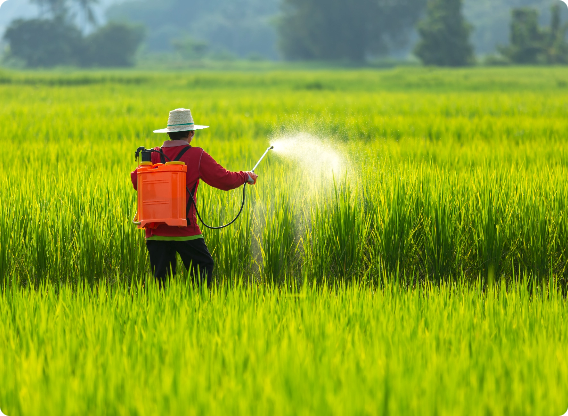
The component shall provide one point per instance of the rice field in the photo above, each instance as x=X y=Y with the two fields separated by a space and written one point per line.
x=404 y=251
x=439 y=350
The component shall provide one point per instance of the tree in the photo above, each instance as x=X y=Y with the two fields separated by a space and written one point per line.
x=531 y=44
x=44 y=43
x=48 y=43
x=444 y=35
x=556 y=48
x=338 y=30
x=526 y=37
x=113 y=45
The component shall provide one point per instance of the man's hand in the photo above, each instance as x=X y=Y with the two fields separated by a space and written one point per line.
x=251 y=178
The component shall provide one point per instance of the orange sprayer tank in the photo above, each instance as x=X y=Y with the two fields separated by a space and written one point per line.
x=162 y=194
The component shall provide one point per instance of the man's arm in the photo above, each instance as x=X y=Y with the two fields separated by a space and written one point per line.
x=213 y=174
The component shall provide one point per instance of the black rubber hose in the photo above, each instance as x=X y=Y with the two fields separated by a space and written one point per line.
x=221 y=226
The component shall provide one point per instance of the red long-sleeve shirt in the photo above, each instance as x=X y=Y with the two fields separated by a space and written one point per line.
x=199 y=166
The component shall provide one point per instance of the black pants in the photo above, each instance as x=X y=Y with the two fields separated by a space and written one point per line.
x=193 y=253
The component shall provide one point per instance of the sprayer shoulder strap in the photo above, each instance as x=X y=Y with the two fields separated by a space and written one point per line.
x=177 y=158
x=181 y=153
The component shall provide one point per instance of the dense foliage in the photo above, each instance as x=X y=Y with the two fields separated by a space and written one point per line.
x=328 y=30
x=113 y=45
x=44 y=43
x=531 y=44
x=444 y=35
x=248 y=26
x=57 y=42
x=491 y=19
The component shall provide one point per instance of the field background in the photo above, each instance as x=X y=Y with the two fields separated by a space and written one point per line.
x=425 y=275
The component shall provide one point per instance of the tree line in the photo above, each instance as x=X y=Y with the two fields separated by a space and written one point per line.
x=322 y=30
x=57 y=39
x=327 y=30
x=445 y=35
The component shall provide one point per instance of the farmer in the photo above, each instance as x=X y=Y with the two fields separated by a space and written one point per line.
x=164 y=241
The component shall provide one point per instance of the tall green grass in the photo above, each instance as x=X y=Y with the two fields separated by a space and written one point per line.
x=448 y=349
x=454 y=177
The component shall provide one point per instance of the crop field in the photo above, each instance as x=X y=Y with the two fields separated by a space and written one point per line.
x=404 y=252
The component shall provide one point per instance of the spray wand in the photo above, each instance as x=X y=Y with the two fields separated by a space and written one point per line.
x=262 y=157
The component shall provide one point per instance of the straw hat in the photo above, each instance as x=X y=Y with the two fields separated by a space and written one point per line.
x=180 y=120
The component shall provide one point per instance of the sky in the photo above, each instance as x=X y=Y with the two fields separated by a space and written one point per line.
x=13 y=9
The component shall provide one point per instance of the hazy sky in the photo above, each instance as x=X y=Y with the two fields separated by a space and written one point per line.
x=14 y=9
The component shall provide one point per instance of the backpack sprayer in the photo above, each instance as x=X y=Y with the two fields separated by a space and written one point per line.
x=162 y=192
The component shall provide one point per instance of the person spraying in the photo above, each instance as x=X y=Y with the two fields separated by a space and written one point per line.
x=164 y=242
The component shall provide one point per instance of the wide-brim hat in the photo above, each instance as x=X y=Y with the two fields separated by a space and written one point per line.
x=180 y=119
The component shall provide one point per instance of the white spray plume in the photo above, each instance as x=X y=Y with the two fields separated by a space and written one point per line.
x=316 y=157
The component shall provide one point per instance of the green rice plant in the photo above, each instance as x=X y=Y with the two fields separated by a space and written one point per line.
x=337 y=235
x=279 y=245
x=396 y=217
